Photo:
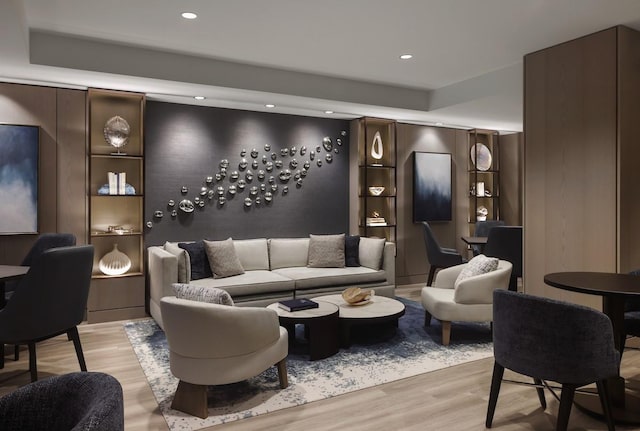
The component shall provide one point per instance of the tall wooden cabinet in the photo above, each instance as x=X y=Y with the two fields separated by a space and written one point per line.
x=377 y=178
x=581 y=211
x=116 y=213
x=483 y=160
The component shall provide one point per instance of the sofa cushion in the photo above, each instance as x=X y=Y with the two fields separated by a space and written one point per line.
x=223 y=258
x=198 y=258
x=184 y=263
x=479 y=265
x=311 y=278
x=351 y=250
x=253 y=253
x=288 y=252
x=326 y=251
x=370 y=252
x=250 y=283
x=211 y=295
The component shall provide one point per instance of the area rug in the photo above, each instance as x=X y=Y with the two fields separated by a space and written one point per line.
x=374 y=358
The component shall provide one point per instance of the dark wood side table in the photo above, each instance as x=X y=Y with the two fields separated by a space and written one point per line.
x=321 y=328
x=614 y=289
x=480 y=241
x=8 y=273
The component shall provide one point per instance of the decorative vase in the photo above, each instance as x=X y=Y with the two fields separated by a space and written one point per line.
x=116 y=132
x=115 y=262
x=377 y=150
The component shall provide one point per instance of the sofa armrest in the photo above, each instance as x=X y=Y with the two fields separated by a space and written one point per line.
x=446 y=278
x=163 y=272
x=389 y=262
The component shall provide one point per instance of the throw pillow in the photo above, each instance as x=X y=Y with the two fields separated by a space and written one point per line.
x=351 y=250
x=199 y=263
x=223 y=258
x=479 y=265
x=212 y=295
x=326 y=251
x=370 y=251
x=184 y=265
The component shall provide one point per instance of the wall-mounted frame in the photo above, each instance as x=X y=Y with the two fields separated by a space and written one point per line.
x=19 y=149
x=432 y=191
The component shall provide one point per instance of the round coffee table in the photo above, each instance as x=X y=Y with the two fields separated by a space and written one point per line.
x=379 y=310
x=321 y=328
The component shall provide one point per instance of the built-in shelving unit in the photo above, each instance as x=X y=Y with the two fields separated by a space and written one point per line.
x=116 y=218
x=377 y=178
x=484 y=175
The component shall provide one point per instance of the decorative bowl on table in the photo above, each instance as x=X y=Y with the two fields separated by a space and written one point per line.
x=376 y=190
x=357 y=296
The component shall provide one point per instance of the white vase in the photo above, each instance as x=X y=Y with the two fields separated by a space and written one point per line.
x=115 y=262
x=377 y=151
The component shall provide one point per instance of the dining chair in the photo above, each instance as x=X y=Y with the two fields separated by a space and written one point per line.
x=44 y=242
x=49 y=300
x=547 y=339
x=75 y=401
x=439 y=257
x=505 y=242
x=482 y=229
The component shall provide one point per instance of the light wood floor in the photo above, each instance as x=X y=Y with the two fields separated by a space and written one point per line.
x=450 y=399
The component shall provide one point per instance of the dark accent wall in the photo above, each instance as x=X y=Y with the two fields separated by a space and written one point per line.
x=184 y=144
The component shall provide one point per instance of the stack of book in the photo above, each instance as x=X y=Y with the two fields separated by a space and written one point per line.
x=117 y=183
x=297 y=304
x=376 y=221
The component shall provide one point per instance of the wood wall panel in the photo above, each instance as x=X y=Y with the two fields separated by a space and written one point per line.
x=570 y=211
x=511 y=178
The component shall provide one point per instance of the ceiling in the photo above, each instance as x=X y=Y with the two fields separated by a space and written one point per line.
x=304 y=56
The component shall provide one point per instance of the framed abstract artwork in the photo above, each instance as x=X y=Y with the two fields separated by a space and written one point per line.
x=431 y=187
x=19 y=148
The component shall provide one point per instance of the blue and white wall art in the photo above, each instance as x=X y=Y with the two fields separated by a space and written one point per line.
x=19 y=179
x=431 y=187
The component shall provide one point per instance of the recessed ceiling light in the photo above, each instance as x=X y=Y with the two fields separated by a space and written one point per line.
x=439 y=124
x=406 y=56
x=269 y=105
x=328 y=112
x=189 y=15
x=199 y=97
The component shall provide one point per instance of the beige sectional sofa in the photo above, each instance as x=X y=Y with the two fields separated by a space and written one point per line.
x=274 y=269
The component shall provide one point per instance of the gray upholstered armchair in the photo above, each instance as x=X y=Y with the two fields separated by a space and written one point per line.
x=76 y=402
x=213 y=344
x=552 y=340
x=49 y=300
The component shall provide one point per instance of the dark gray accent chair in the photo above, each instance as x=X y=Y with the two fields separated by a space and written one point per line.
x=439 y=257
x=552 y=340
x=482 y=229
x=76 y=402
x=505 y=242
x=44 y=242
x=49 y=300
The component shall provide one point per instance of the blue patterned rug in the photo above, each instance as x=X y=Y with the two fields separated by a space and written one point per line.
x=374 y=358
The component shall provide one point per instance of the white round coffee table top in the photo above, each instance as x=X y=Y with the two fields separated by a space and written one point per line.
x=324 y=309
x=380 y=306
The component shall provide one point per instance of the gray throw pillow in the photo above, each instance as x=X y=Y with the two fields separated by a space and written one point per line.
x=370 y=252
x=184 y=264
x=212 y=295
x=479 y=265
x=223 y=259
x=326 y=251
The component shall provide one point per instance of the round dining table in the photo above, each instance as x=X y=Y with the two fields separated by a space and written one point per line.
x=615 y=289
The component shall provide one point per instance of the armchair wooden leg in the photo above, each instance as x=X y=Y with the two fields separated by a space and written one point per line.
x=496 y=381
x=543 y=401
x=605 y=401
x=446 y=332
x=32 y=362
x=432 y=272
x=427 y=318
x=566 y=401
x=72 y=334
x=191 y=399
x=16 y=352
x=282 y=373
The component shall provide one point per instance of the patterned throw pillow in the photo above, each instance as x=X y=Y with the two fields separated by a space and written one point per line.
x=212 y=295
x=479 y=265
x=223 y=258
x=199 y=263
x=326 y=251
x=351 y=250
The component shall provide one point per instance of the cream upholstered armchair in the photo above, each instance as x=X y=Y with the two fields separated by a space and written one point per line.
x=212 y=344
x=465 y=300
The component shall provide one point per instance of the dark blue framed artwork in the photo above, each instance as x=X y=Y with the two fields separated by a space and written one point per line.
x=19 y=147
x=431 y=187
